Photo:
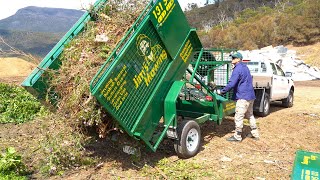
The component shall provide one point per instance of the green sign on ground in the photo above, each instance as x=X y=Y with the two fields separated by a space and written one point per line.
x=306 y=166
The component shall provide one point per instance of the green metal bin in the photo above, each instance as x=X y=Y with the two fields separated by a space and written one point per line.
x=306 y=166
x=135 y=80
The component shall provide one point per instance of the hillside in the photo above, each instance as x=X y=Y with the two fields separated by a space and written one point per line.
x=35 y=30
x=39 y=19
x=241 y=24
x=36 y=43
x=211 y=15
x=245 y=25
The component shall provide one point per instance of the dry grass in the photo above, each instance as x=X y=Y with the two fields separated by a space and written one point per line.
x=15 y=67
x=14 y=70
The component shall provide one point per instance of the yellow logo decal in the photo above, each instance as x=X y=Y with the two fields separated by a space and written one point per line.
x=153 y=58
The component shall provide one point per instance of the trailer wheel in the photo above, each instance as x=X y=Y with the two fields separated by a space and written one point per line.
x=288 y=102
x=266 y=106
x=188 y=143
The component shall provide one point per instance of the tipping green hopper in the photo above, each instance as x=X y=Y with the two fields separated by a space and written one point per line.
x=155 y=53
x=159 y=81
x=141 y=81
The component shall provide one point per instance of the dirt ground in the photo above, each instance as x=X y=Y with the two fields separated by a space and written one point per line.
x=283 y=132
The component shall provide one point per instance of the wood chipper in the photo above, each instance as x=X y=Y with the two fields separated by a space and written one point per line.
x=159 y=81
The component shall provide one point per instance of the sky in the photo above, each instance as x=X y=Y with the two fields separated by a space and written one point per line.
x=10 y=7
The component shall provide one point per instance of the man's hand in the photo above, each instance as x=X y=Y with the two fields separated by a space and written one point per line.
x=219 y=92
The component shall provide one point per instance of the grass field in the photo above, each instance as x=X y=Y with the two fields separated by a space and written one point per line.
x=14 y=70
x=15 y=67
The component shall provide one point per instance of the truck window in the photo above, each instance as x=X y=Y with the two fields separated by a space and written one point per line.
x=253 y=66
x=280 y=72
x=274 y=70
x=263 y=67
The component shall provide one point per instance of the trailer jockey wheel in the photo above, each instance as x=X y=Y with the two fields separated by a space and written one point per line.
x=188 y=143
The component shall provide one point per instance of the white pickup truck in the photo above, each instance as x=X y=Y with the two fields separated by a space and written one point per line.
x=270 y=84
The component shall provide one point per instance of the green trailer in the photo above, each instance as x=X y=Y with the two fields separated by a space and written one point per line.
x=159 y=81
x=159 y=74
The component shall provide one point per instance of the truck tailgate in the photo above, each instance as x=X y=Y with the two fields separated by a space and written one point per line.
x=261 y=80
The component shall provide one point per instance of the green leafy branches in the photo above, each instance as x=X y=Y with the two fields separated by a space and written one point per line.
x=11 y=165
x=17 y=105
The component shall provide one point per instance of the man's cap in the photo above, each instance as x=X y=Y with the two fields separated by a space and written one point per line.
x=237 y=55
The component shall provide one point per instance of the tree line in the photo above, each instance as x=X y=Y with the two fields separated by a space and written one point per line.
x=253 y=24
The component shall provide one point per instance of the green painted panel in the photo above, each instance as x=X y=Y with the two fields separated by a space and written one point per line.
x=136 y=78
x=131 y=81
x=171 y=23
x=306 y=166
x=228 y=107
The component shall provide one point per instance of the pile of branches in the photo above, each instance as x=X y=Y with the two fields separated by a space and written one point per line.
x=81 y=60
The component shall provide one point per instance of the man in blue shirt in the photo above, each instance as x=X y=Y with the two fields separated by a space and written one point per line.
x=241 y=83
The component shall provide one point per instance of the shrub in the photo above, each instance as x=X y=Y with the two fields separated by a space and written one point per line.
x=291 y=23
x=17 y=105
x=11 y=165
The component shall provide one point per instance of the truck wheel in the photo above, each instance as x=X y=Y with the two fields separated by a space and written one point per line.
x=188 y=143
x=266 y=106
x=288 y=102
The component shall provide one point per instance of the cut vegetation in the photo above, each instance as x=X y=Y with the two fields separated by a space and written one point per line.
x=17 y=105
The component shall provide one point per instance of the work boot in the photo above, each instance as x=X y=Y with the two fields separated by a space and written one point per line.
x=235 y=138
x=253 y=137
x=254 y=134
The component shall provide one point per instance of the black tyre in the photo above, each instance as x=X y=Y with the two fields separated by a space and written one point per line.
x=180 y=118
x=188 y=143
x=288 y=102
x=266 y=106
